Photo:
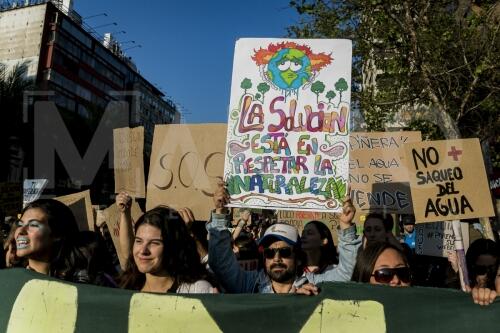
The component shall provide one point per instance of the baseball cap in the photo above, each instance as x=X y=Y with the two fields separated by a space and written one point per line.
x=281 y=231
x=407 y=219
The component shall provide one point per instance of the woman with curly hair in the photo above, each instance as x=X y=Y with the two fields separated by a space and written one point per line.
x=162 y=255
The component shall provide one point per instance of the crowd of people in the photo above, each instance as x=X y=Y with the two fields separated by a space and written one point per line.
x=168 y=251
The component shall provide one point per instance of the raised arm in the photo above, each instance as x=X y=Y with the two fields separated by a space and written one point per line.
x=220 y=255
x=348 y=247
x=126 y=236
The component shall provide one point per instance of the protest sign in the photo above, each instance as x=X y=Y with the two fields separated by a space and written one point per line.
x=185 y=163
x=287 y=135
x=448 y=180
x=128 y=147
x=299 y=219
x=32 y=189
x=11 y=198
x=111 y=216
x=378 y=178
x=437 y=239
x=33 y=302
x=81 y=206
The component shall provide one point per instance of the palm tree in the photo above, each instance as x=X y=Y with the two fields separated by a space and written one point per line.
x=13 y=84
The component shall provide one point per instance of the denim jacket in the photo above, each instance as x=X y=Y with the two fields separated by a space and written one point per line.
x=235 y=280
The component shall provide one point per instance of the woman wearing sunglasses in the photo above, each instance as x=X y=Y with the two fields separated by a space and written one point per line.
x=382 y=263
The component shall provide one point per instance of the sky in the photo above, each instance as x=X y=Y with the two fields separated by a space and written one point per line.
x=188 y=45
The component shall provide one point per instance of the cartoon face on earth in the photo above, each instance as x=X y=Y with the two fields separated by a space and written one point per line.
x=289 y=66
x=289 y=69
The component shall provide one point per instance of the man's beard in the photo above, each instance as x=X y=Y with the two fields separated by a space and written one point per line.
x=285 y=275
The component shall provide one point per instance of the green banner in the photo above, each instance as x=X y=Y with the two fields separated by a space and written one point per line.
x=34 y=303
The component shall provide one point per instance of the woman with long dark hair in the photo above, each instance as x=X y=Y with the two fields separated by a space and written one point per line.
x=382 y=263
x=162 y=255
x=317 y=244
x=45 y=235
x=483 y=263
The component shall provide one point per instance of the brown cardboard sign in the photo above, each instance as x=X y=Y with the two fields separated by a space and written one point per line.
x=448 y=180
x=186 y=162
x=81 y=206
x=111 y=216
x=377 y=175
x=299 y=219
x=128 y=147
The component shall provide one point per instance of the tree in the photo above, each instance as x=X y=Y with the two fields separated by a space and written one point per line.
x=246 y=84
x=341 y=86
x=330 y=94
x=317 y=87
x=13 y=84
x=435 y=60
x=263 y=88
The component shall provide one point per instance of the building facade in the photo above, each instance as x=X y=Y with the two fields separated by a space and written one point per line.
x=78 y=71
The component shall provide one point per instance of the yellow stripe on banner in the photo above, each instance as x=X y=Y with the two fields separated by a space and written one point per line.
x=44 y=307
x=347 y=316
x=159 y=313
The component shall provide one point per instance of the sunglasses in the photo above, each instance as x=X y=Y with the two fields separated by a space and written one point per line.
x=284 y=252
x=385 y=275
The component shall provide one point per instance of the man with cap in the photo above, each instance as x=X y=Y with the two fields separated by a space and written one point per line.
x=280 y=247
x=408 y=221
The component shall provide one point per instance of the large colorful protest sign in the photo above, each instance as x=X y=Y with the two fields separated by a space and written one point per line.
x=448 y=180
x=377 y=175
x=35 y=303
x=128 y=147
x=185 y=163
x=287 y=136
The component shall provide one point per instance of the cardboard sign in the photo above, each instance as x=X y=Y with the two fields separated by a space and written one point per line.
x=378 y=178
x=186 y=162
x=448 y=180
x=299 y=219
x=128 y=146
x=32 y=189
x=11 y=198
x=288 y=135
x=81 y=206
x=437 y=239
x=111 y=216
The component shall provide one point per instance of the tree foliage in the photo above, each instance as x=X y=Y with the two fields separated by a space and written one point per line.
x=317 y=87
x=425 y=62
x=246 y=84
x=13 y=84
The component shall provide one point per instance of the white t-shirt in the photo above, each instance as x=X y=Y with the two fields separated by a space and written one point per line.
x=199 y=287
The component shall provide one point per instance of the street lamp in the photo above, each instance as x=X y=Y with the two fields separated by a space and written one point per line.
x=129 y=41
x=132 y=47
x=104 y=25
x=114 y=33
x=96 y=15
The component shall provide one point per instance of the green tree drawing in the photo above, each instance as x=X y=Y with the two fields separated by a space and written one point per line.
x=330 y=94
x=246 y=84
x=341 y=86
x=263 y=88
x=317 y=87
